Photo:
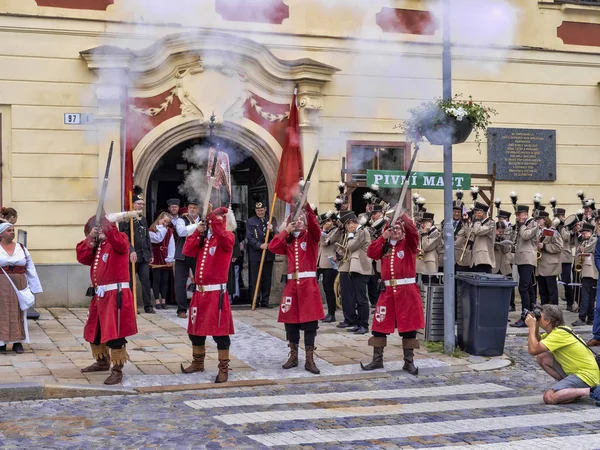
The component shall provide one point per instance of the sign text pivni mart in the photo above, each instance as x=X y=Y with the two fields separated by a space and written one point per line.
x=418 y=180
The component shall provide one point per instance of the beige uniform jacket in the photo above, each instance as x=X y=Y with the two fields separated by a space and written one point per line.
x=589 y=268
x=459 y=244
x=357 y=248
x=550 y=262
x=567 y=250
x=429 y=245
x=344 y=264
x=484 y=233
x=526 y=246
x=504 y=257
x=327 y=248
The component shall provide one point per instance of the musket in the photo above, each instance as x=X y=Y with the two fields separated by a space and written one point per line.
x=300 y=203
x=211 y=182
x=404 y=187
x=104 y=187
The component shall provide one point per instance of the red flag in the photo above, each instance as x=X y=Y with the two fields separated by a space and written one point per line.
x=290 y=167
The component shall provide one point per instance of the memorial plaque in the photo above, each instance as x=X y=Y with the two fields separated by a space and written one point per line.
x=522 y=154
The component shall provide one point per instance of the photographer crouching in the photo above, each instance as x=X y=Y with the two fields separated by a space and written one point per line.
x=564 y=356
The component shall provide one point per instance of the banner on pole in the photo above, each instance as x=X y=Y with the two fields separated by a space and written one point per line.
x=418 y=180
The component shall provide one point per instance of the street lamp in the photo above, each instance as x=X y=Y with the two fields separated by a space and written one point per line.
x=449 y=298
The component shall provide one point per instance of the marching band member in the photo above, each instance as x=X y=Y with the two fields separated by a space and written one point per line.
x=111 y=314
x=589 y=211
x=525 y=258
x=400 y=305
x=503 y=256
x=550 y=247
x=327 y=263
x=430 y=238
x=484 y=232
x=584 y=256
x=211 y=244
x=566 y=257
x=462 y=244
x=301 y=306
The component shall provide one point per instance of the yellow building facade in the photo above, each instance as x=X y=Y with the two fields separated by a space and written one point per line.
x=149 y=74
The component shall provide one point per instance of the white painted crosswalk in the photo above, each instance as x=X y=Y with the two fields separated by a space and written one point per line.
x=275 y=413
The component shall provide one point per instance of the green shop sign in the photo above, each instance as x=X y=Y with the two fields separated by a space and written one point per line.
x=418 y=180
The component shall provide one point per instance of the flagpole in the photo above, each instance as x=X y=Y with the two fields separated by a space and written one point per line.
x=264 y=252
x=133 y=280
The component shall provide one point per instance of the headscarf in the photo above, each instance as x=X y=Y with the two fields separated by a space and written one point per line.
x=5 y=226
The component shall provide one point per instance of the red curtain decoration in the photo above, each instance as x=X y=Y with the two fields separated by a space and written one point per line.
x=290 y=167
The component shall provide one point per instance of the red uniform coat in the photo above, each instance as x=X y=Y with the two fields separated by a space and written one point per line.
x=301 y=300
x=401 y=306
x=212 y=267
x=109 y=264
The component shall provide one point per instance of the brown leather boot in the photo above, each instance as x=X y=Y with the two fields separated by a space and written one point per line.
x=408 y=346
x=116 y=375
x=310 y=361
x=223 y=374
x=378 y=343
x=292 y=357
x=198 y=355
x=101 y=365
x=101 y=354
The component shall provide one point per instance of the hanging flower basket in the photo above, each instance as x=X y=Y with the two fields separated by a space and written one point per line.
x=448 y=122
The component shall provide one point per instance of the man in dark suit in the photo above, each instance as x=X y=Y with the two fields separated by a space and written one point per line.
x=256 y=230
x=141 y=254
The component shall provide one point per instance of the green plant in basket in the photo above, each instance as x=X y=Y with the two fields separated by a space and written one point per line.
x=448 y=121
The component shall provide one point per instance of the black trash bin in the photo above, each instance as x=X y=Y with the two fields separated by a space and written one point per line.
x=483 y=303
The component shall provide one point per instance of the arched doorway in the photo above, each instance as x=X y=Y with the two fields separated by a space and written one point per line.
x=247 y=179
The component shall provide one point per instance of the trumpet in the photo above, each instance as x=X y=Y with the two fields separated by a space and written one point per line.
x=579 y=263
x=420 y=253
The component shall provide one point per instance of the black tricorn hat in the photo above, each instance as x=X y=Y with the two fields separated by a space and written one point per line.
x=481 y=207
x=560 y=212
x=173 y=201
x=427 y=216
x=503 y=214
x=522 y=209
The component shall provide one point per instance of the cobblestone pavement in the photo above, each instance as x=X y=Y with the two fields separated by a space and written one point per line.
x=487 y=410
x=57 y=351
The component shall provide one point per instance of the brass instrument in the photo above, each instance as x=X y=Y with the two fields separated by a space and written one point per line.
x=420 y=253
x=540 y=239
x=462 y=255
x=579 y=258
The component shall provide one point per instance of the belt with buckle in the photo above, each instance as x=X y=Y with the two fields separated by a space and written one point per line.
x=211 y=287
x=299 y=275
x=400 y=282
x=101 y=290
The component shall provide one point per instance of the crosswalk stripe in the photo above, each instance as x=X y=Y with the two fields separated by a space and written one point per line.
x=418 y=429
x=581 y=442
x=347 y=396
x=389 y=410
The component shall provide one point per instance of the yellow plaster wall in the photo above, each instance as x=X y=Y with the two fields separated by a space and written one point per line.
x=50 y=171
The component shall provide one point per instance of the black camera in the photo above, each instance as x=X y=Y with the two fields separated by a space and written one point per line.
x=537 y=313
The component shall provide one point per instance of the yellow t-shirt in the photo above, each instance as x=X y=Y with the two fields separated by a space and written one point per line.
x=572 y=355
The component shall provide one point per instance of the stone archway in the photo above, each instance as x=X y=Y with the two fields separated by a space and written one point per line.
x=151 y=149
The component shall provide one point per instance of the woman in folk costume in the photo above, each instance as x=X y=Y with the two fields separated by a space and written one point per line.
x=400 y=305
x=301 y=306
x=111 y=314
x=19 y=272
x=209 y=313
x=163 y=257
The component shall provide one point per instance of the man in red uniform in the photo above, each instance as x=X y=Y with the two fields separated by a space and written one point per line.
x=301 y=306
x=111 y=315
x=399 y=306
x=209 y=314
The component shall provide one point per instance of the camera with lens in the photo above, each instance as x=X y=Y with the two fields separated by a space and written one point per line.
x=537 y=313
